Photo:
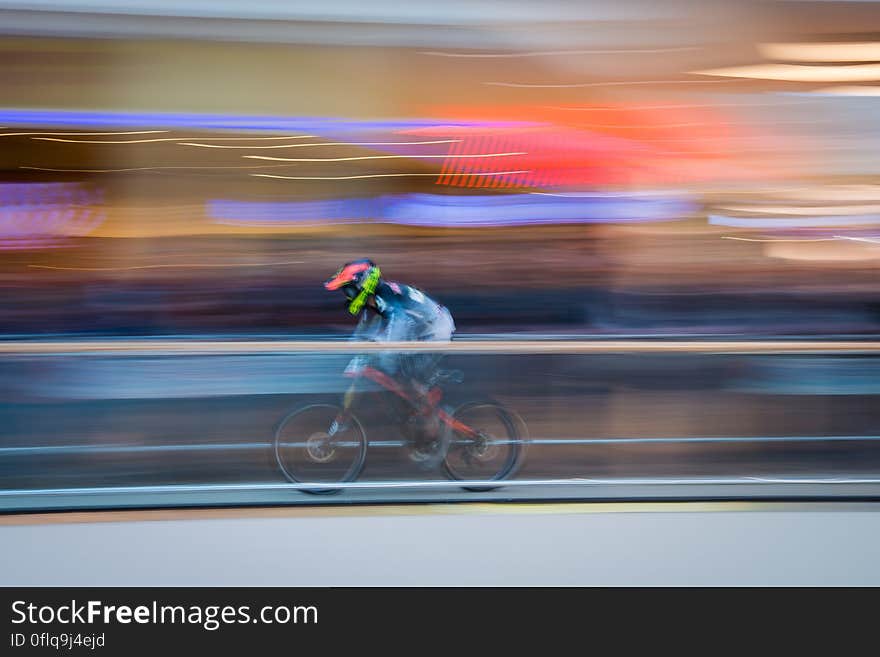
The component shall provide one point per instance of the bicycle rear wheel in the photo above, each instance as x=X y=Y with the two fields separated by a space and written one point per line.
x=494 y=454
x=306 y=454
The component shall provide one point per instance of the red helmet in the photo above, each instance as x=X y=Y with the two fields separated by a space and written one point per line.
x=357 y=280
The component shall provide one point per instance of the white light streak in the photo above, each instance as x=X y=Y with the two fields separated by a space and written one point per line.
x=822 y=52
x=374 y=157
x=331 y=143
x=798 y=73
x=380 y=175
x=872 y=240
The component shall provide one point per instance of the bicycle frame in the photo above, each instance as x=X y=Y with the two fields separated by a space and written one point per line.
x=392 y=385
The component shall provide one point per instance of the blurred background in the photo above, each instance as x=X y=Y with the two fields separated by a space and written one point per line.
x=575 y=167
x=571 y=169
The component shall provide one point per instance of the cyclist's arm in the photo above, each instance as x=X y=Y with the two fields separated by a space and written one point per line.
x=367 y=329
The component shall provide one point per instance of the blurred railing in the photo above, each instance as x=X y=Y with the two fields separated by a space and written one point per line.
x=179 y=347
x=108 y=423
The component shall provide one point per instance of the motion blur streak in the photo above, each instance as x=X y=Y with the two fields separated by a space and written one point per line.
x=552 y=53
x=162 y=347
x=177 y=266
x=574 y=85
x=448 y=210
x=252 y=139
x=205 y=168
x=374 y=175
x=374 y=157
x=656 y=227
x=775 y=222
x=128 y=141
x=829 y=193
x=822 y=52
x=797 y=73
x=849 y=91
x=80 y=134
x=205 y=121
x=337 y=143
x=803 y=210
x=860 y=239
x=804 y=239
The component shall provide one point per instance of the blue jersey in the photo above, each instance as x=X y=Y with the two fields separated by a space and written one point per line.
x=402 y=313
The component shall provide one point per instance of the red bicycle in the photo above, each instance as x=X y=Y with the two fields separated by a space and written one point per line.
x=474 y=441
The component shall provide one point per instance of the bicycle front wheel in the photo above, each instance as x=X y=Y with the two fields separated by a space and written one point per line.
x=493 y=454
x=307 y=454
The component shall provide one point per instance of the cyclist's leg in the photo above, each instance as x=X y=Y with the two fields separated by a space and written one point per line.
x=423 y=370
x=440 y=331
x=435 y=437
x=409 y=374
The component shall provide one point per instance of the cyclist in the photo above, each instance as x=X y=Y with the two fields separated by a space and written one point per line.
x=392 y=312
